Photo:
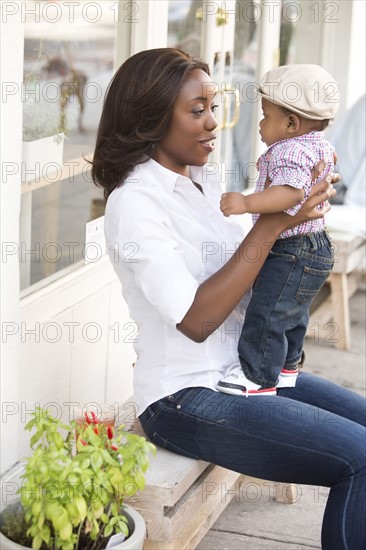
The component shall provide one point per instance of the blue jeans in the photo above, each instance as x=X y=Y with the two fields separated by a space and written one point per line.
x=311 y=434
x=278 y=312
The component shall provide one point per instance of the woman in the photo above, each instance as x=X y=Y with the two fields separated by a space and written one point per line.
x=186 y=279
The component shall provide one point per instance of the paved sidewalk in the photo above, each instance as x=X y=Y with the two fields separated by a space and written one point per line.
x=254 y=521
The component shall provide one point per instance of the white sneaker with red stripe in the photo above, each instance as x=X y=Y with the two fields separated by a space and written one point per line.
x=236 y=383
x=287 y=378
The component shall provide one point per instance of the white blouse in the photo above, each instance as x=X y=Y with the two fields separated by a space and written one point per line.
x=164 y=238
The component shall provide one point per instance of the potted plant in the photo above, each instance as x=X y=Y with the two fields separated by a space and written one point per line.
x=73 y=488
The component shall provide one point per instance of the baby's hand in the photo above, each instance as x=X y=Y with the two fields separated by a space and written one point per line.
x=232 y=203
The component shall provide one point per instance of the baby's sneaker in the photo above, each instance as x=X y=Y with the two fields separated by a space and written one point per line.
x=287 y=378
x=236 y=383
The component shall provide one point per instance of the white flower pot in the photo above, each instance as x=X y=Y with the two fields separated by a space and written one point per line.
x=136 y=526
x=42 y=157
x=10 y=483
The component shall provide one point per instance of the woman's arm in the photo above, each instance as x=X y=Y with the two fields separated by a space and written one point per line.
x=217 y=296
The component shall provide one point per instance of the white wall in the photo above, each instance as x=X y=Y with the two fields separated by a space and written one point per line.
x=11 y=47
x=75 y=346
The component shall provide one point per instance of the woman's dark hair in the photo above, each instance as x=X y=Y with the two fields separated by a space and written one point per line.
x=137 y=111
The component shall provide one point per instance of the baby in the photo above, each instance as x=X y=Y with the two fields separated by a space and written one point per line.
x=298 y=102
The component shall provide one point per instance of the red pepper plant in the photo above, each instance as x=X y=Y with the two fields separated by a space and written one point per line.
x=76 y=480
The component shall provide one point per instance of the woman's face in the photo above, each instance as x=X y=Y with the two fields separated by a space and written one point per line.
x=190 y=138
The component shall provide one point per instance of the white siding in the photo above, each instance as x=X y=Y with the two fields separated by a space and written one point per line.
x=11 y=48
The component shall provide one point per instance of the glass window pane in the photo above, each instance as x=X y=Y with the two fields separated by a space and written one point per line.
x=244 y=76
x=301 y=32
x=184 y=27
x=69 y=52
x=59 y=214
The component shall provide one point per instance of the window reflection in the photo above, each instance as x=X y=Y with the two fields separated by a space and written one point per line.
x=184 y=28
x=73 y=62
x=68 y=64
x=244 y=76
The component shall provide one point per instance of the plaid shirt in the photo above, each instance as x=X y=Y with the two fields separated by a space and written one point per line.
x=289 y=162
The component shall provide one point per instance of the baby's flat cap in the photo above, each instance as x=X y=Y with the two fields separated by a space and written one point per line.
x=307 y=90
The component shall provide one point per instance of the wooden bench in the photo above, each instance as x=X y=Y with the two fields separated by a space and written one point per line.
x=349 y=253
x=184 y=497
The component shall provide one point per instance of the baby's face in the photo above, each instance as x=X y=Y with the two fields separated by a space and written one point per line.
x=274 y=124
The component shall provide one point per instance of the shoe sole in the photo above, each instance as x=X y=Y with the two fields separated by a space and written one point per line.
x=231 y=390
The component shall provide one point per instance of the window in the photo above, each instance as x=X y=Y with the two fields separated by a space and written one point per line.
x=246 y=48
x=69 y=53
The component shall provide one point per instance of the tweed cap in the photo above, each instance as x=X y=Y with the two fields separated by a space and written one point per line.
x=307 y=90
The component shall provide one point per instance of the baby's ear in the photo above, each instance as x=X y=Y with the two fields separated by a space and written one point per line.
x=293 y=123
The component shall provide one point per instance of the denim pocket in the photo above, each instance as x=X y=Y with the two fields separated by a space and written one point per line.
x=169 y=446
x=149 y=416
x=311 y=282
x=282 y=255
x=180 y=397
x=167 y=405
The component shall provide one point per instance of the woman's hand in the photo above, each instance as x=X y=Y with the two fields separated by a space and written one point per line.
x=316 y=205
x=319 y=167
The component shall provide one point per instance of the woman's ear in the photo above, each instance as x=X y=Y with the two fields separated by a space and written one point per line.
x=293 y=123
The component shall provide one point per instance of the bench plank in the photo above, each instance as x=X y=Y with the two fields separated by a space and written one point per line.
x=170 y=477
x=349 y=253
x=192 y=516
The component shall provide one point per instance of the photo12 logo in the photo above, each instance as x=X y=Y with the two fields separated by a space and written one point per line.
x=69 y=11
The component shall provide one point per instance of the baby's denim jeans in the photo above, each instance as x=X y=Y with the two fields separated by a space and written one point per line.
x=278 y=313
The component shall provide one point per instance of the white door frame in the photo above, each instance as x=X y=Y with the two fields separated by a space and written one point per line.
x=149 y=24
